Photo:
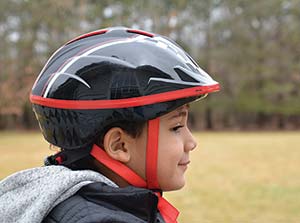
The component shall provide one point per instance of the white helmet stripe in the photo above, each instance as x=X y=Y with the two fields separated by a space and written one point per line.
x=74 y=59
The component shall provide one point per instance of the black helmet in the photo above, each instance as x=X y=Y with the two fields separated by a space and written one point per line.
x=111 y=75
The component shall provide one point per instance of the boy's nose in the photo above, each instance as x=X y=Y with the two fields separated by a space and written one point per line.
x=191 y=143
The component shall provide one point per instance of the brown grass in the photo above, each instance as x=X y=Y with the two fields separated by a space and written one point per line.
x=233 y=177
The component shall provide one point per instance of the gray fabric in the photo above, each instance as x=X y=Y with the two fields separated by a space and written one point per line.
x=29 y=195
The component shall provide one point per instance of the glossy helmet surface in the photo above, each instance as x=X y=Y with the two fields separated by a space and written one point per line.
x=113 y=75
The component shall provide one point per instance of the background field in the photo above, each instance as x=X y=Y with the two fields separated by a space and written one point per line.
x=233 y=177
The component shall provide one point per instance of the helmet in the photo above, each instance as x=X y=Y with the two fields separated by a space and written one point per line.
x=111 y=75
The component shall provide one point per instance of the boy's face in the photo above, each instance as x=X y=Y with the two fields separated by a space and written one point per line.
x=175 y=143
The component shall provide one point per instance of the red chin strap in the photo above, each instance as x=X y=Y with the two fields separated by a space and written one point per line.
x=152 y=154
x=168 y=212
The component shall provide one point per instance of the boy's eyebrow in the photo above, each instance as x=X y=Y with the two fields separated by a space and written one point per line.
x=181 y=113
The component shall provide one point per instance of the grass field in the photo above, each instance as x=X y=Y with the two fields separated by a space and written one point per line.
x=233 y=177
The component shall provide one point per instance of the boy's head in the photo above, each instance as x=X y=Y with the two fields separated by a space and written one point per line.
x=125 y=91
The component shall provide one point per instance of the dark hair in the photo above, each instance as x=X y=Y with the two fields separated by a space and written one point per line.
x=134 y=129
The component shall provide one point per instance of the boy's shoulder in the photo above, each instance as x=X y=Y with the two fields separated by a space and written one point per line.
x=98 y=202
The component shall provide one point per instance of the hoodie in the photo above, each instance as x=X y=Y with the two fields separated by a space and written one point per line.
x=29 y=195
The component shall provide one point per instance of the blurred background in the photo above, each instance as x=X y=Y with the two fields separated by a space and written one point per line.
x=251 y=47
x=247 y=167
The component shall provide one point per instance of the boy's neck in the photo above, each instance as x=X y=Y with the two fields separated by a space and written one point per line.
x=111 y=175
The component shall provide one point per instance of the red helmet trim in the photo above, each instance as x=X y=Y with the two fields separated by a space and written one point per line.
x=152 y=154
x=141 y=32
x=123 y=103
x=97 y=32
x=102 y=31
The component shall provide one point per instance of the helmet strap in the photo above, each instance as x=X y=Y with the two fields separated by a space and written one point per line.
x=117 y=167
x=152 y=154
x=151 y=160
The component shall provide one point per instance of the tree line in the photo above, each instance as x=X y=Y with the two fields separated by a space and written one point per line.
x=251 y=47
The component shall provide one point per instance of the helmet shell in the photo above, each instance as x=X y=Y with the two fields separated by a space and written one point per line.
x=112 y=75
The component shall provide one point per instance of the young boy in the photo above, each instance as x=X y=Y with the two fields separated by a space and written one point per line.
x=116 y=102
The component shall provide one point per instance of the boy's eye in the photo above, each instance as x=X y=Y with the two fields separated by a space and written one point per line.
x=177 y=127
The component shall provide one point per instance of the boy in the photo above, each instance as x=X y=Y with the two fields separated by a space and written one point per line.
x=116 y=102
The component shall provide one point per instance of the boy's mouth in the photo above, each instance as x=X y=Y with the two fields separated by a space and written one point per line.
x=184 y=163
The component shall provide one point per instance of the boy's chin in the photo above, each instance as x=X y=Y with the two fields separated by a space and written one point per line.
x=173 y=186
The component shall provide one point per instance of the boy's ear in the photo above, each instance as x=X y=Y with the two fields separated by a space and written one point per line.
x=116 y=144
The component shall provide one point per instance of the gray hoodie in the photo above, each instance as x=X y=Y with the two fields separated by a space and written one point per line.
x=29 y=195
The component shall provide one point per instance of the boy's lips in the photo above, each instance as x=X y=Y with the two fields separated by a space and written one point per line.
x=184 y=163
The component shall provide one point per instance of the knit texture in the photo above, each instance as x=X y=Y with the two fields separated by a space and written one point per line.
x=29 y=195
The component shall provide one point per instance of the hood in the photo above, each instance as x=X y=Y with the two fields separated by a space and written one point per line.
x=29 y=195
